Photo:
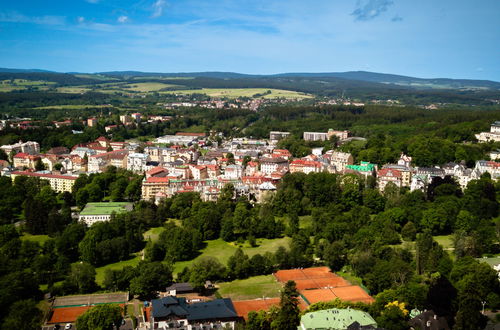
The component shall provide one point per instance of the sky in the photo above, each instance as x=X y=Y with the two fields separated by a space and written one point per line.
x=424 y=38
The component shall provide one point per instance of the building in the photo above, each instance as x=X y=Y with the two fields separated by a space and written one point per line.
x=276 y=135
x=389 y=175
x=364 y=168
x=97 y=163
x=493 y=135
x=95 y=212
x=305 y=166
x=270 y=165
x=233 y=172
x=493 y=168
x=136 y=116
x=124 y=119
x=58 y=182
x=185 y=140
x=30 y=147
x=340 y=160
x=175 y=313
x=24 y=160
x=92 y=122
x=315 y=136
x=342 y=135
x=179 y=288
x=337 y=319
x=428 y=320
x=136 y=162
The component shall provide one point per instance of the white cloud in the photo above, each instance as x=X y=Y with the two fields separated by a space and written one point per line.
x=42 y=20
x=123 y=19
x=158 y=7
x=80 y=19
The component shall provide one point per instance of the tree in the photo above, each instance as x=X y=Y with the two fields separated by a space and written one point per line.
x=288 y=315
x=409 y=231
x=23 y=315
x=39 y=166
x=82 y=277
x=101 y=317
x=393 y=317
x=469 y=316
x=206 y=268
x=153 y=276
x=336 y=255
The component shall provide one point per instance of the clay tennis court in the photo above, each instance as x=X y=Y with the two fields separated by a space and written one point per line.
x=68 y=314
x=243 y=307
x=353 y=293
x=319 y=284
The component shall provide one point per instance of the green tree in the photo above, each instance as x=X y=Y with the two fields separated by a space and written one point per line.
x=206 y=268
x=288 y=317
x=153 y=277
x=469 y=316
x=101 y=317
x=82 y=277
x=23 y=315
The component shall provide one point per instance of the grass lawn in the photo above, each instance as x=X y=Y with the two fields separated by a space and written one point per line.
x=148 y=87
x=35 y=238
x=244 y=92
x=490 y=261
x=251 y=288
x=99 y=278
x=223 y=250
x=446 y=241
x=153 y=234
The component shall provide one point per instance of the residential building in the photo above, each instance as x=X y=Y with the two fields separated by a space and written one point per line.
x=340 y=159
x=136 y=162
x=428 y=320
x=342 y=135
x=58 y=182
x=364 y=168
x=136 y=117
x=95 y=212
x=270 y=165
x=92 y=122
x=492 y=135
x=233 y=172
x=305 y=166
x=493 y=168
x=389 y=175
x=275 y=136
x=83 y=151
x=315 y=136
x=176 y=313
x=495 y=155
x=24 y=160
x=179 y=288
x=199 y=172
x=30 y=147
x=406 y=173
x=337 y=319
x=97 y=163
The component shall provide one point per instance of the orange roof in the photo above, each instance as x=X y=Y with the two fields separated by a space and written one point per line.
x=389 y=172
x=156 y=170
x=21 y=155
x=300 y=162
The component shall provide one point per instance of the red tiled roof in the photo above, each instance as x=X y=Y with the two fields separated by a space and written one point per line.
x=389 y=172
x=308 y=163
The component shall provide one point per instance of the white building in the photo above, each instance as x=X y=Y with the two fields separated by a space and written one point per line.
x=136 y=162
x=315 y=136
x=492 y=135
x=30 y=147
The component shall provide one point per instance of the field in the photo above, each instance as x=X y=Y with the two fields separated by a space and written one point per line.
x=35 y=238
x=21 y=84
x=251 y=288
x=73 y=107
x=153 y=233
x=446 y=241
x=117 y=265
x=223 y=250
x=493 y=261
x=243 y=92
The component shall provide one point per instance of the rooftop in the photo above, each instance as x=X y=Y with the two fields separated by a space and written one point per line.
x=336 y=319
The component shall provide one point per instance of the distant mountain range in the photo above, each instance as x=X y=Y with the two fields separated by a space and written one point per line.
x=365 y=76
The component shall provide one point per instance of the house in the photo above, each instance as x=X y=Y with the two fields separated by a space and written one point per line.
x=199 y=171
x=175 y=313
x=99 y=162
x=136 y=162
x=342 y=135
x=83 y=151
x=389 y=175
x=364 y=168
x=492 y=135
x=30 y=147
x=58 y=182
x=283 y=153
x=58 y=151
x=22 y=160
x=493 y=168
x=95 y=212
x=406 y=173
x=337 y=319
x=233 y=172
x=179 y=288
x=92 y=122
x=251 y=169
x=305 y=166
x=103 y=141
x=340 y=159
x=428 y=320
x=270 y=165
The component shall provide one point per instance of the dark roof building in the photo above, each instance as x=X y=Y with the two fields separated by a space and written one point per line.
x=428 y=320
x=179 y=288
x=174 y=312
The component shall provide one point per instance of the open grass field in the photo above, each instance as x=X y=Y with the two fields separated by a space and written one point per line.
x=73 y=107
x=223 y=250
x=251 y=288
x=243 y=92
x=35 y=238
x=100 y=271
x=446 y=241
x=147 y=87
x=22 y=84
x=153 y=234
x=493 y=261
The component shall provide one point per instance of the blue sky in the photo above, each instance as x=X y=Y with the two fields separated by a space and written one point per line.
x=425 y=38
